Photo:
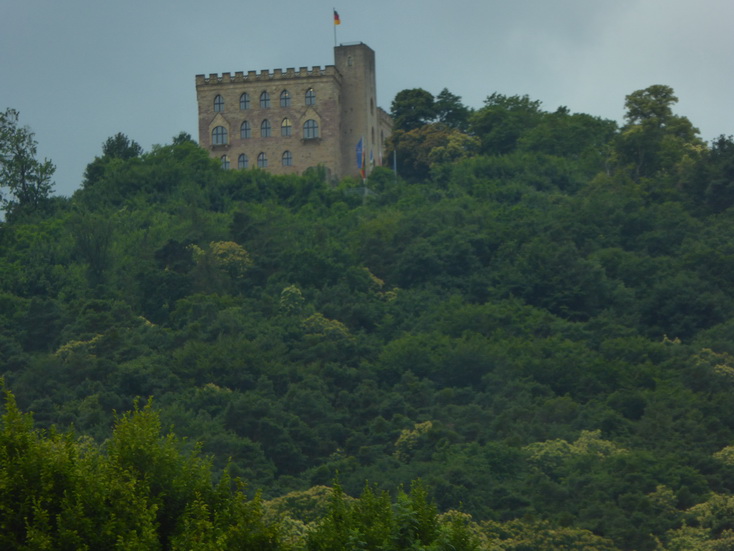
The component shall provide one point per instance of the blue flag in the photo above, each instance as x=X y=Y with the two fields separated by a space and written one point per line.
x=359 y=154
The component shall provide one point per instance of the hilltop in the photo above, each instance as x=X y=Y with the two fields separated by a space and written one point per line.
x=534 y=319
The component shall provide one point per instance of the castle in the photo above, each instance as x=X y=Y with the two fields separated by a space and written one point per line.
x=286 y=121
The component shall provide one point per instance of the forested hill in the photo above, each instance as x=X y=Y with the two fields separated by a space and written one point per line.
x=535 y=319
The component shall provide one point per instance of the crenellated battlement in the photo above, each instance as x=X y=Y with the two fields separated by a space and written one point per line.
x=265 y=74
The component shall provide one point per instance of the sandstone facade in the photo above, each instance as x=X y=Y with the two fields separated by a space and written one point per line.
x=286 y=121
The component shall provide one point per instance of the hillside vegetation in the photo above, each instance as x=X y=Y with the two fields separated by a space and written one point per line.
x=525 y=341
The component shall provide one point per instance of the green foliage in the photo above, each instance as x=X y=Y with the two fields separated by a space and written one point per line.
x=26 y=180
x=503 y=120
x=412 y=109
x=654 y=139
x=420 y=149
x=519 y=536
x=450 y=111
x=373 y=522
x=534 y=323
x=709 y=180
x=120 y=146
x=141 y=492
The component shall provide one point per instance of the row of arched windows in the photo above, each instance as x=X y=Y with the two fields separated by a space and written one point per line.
x=285 y=100
x=310 y=131
x=243 y=161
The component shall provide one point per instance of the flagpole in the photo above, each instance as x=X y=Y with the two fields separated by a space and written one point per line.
x=395 y=163
x=334 y=29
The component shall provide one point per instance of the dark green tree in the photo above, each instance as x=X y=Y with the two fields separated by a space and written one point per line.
x=450 y=111
x=412 y=108
x=92 y=234
x=577 y=136
x=27 y=180
x=119 y=147
x=711 y=180
x=503 y=120
x=182 y=138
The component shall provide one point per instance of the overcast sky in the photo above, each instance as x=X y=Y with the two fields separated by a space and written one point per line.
x=79 y=71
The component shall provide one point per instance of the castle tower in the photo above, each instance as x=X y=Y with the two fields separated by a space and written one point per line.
x=360 y=117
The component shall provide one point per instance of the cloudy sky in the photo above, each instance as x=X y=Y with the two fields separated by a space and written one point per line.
x=79 y=71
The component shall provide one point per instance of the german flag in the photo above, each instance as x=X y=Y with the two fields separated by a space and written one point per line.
x=337 y=21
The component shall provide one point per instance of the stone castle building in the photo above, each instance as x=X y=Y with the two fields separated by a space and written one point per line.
x=286 y=121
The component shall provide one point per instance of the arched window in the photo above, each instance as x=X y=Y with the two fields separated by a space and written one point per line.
x=262 y=161
x=285 y=127
x=245 y=101
x=219 y=135
x=310 y=129
x=265 y=129
x=285 y=98
x=218 y=104
x=245 y=130
x=225 y=162
x=242 y=161
x=265 y=100
x=310 y=97
x=287 y=158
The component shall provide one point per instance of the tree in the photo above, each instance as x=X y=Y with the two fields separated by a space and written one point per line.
x=519 y=535
x=92 y=234
x=182 y=138
x=27 y=180
x=711 y=181
x=576 y=136
x=412 y=108
x=719 y=194
x=221 y=264
x=141 y=491
x=421 y=148
x=503 y=120
x=450 y=111
x=119 y=147
x=654 y=139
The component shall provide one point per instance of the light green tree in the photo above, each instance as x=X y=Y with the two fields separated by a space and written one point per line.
x=654 y=139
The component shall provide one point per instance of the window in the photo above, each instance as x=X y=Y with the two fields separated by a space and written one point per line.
x=265 y=129
x=287 y=158
x=285 y=127
x=310 y=129
x=225 y=162
x=262 y=161
x=285 y=98
x=265 y=100
x=310 y=97
x=242 y=161
x=245 y=130
x=219 y=136
x=245 y=101
x=218 y=104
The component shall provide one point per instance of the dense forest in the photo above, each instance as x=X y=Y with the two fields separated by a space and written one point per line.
x=523 y=340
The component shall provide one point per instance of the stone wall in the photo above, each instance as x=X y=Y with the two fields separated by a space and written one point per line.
x=344 y=108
